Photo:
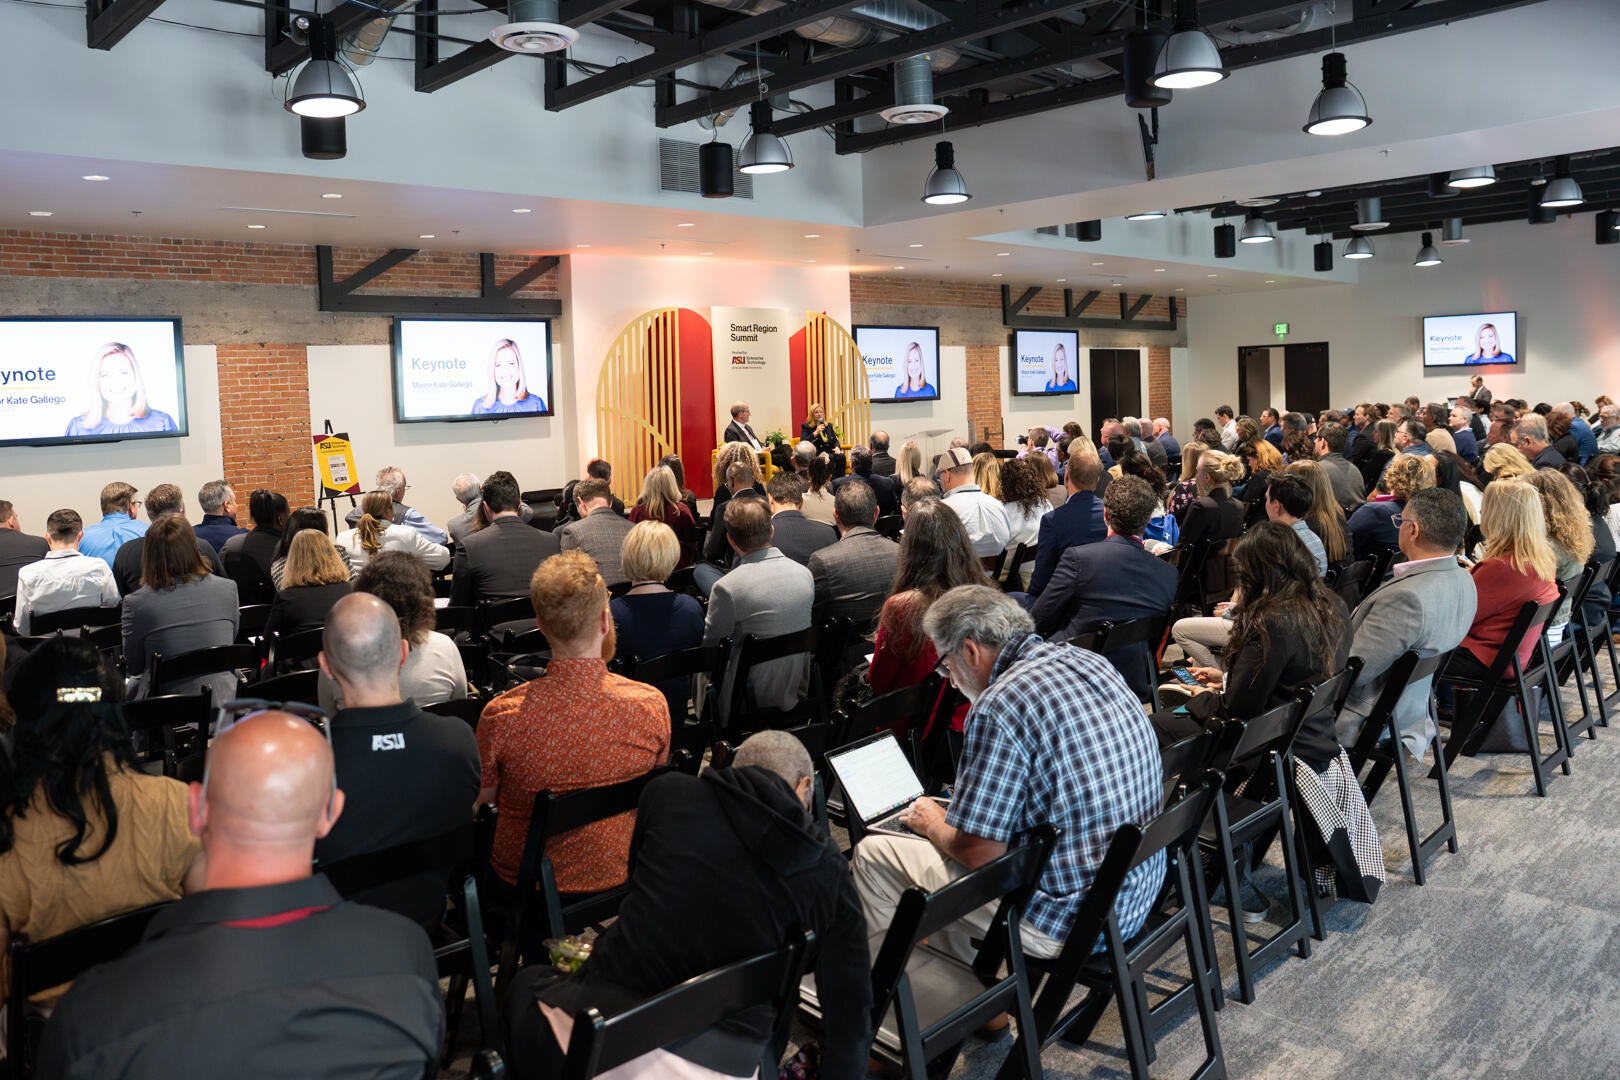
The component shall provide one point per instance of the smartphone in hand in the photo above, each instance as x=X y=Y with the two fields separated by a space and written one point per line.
x=1185 y=677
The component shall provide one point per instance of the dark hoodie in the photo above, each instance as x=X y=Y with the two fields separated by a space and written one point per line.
x=724 y=867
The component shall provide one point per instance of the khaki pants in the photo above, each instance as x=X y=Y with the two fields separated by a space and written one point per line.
x=1202 y=638
x=885 y=866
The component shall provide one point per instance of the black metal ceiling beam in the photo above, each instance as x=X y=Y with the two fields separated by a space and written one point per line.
x=987 y=16
x=106 y=22
x=716 y=42
x=971 y=113
x=494 y=297
x=434 y=73
x=1012 y=313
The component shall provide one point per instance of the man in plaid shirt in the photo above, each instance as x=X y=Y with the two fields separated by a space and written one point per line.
x=1054 y=737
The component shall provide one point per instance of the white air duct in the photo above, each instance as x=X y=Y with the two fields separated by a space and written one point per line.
x=914 y=93
x=361 y=46
x=534 y=29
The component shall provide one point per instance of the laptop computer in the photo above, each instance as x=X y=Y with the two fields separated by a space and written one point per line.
x=878 y=782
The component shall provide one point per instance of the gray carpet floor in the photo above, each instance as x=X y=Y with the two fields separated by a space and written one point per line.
x=1506 y=964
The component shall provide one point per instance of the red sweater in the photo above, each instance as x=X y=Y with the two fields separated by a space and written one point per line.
x=1502 y=591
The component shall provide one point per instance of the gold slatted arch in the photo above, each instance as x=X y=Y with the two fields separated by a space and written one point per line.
x=638 y=400
x=836 y=377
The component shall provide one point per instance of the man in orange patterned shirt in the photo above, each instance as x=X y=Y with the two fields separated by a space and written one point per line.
x=577 y=726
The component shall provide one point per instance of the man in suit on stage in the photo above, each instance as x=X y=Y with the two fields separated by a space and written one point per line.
x=738 y=430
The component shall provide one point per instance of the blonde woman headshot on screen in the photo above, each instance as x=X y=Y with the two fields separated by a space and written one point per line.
x=1488 y=347
x=118 y=398
x=1061 y=381
x=916 y=383
x=508 y=386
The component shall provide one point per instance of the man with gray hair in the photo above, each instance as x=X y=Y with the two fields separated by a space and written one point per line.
x=1530 y=438
x=1166 y=438
x=734 y=848
x=468 y=490
x=1149 y=446
x=883 y=464
x=408 y=775
x=218 y=501
x=1585 y=440
x=1054 y=736
x=391 y=478
x=853 y=576
x=1608 y=433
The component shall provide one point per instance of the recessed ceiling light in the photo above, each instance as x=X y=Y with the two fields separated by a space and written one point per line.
x=1314 y=193
x=40 y=213
x=1061 y=280
x=582 y=245
x=95 y=176
x=1115 y=284
x=1002 y=254
x=812 y=236
x=685 y=224
x=522 y=210
x=332 y=195
x=899 y=268
x=913 y=245
x=1271 y=281
x=705 y=253
x=995 y=275
x=1181 y=290
x=1209 y=275
x=1158 y=269
x=258 y=226
x=426 y=236
x=809 y=260
x=1096 y=264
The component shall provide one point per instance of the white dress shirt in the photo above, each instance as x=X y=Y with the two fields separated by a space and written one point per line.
x=395 y=538
x=60 y=581
x=984 y=518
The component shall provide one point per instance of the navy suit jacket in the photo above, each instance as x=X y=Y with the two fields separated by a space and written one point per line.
x=1078 y=521
x=1114 y=581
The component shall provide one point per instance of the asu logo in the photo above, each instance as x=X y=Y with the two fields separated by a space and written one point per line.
x=739 y=360
x=395 y=741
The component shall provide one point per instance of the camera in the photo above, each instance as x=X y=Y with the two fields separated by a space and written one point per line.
x=1023 y=439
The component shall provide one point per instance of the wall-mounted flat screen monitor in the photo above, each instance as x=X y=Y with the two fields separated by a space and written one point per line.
x=1045 y=361
x=471 y=369
x=90 y=380
x=902 y=362
x=1464 y=340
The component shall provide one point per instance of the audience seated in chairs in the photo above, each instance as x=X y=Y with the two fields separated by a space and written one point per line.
x=793 y=532
x=1427 y=607
x=1215 y=514
x=1288 y=501
x=85 y=834
x=469 y=492
x=885 y=488
x=1040 y=712
x=1595 y=500
x=575 y=726
x=661 y=501
x=568 y=505
x=726 y=484
x=1569 y=529
x=248 y=556
x=118 y=523
x=1372 y=528
x=433 y=671
x=375 y=532
x=17 y=548
x=266 y=968
x=313 y=579
x=1114 y=581
x=406 y=774
x=496 y=561
x=817 y=501
x=391 y=481
x=1023 y=498
x=1078 y=521
x=303 y=519
x=1325 y=517
x=1349 y=488
x=735 y=849
x=65 y=578
x=650 y=620
x=766 y=594
x=179 y=607
x=716 y=552
x=217 y=500
x=162 y=500
x=853 y=576
x=600 y=530
x=981 y=512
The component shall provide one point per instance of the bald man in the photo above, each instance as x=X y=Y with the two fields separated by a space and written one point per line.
x=407 y=774
x=267 y=971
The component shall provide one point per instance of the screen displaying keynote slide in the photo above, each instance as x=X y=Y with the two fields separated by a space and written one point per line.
x=90 y=380
x=471 y=369
x=1460 y=340
x=902 y=362
x=1044 y=361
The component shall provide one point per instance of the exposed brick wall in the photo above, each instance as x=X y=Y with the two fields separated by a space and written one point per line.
x=984 y=391
x=264 y=421
x=1158 y=388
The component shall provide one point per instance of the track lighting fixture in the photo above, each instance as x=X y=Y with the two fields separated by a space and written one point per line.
x=945 y=186
x=1428 y=254
x=1562 y=191
x=763 y=151
x=1148 y=215
x=1339 y=108
x=323 y=87
x=1256 y=229
x=1359 y=247
x=1190 y=57
x=1476 y=176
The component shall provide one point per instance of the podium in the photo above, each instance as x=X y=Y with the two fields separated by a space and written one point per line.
x=928 y=441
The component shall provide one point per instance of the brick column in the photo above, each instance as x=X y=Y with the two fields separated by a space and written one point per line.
x=1158 y=396
x=983 y=390
x=264 y=421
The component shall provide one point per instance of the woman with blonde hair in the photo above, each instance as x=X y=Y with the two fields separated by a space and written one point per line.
x=909 y=464
x=1569 y=531
x=730 y=454
x=312 y=580
x=377 y=532
x=1519 y=566
x=508 y=386
x=987 y=474
x=820 y=433
x=1262 y=460
x=661 y=501
x=1372 y=527
x=1048 y=477
x=650 y=619
x=1214 y=514
x=1326 y=517
x=1185 y=490
x=1504 y=461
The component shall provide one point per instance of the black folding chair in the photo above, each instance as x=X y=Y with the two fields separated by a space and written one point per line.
x=467 y=710
x=475 y=662
x=925 y=1002
x=1566 y=657
x=1119 y=970
x=553 y=815
x=694 y=730
x=1379 y=744
x=40 y=965
x=302 y=686
x=1505 y=682
x=464 y=956
x=491 y=613
x=600 y=1043
x=8 y=609
x=169 y=723
x=49 y=622
x=889 y=525
x=164 y=671
x=107 y=639
x=1592 y=635
x=457 y=621
x=250 y=623
x=1143 y=636
x=1189 y=562
x=290 y=652
x=1381 y=566
x=1012 y=579
x=1354 y=582
x=911 y=705
x=745 y=714
x=684 y=581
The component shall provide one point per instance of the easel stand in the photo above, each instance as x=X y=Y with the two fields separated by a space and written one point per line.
x=324 y=494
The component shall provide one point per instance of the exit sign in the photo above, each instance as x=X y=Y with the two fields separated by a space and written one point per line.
x=1282 y=328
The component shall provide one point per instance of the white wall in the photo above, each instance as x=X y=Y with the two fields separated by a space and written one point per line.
x=1562 y=285
x=41 y=479
x=350 y=386
x=907 y=418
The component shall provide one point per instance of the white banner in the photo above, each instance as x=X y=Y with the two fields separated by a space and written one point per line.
x=751 y=365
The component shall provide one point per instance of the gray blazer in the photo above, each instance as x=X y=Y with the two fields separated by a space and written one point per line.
x=853 y=576
x=196 y=615
x=600 y=534
x=766 y=594
x=1429 y=608
x=1349 y=486
x=465 y=523
x=497 y=561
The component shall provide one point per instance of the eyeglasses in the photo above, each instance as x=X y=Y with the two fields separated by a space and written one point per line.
x=230 y=713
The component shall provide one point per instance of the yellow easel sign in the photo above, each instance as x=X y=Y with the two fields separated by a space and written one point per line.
x=334 y=461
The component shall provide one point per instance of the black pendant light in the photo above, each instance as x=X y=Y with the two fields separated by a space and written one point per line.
x=716 y=164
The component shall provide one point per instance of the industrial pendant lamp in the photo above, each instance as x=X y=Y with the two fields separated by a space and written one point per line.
x=1477 y=176
x=1359 y=247
x=763 y=151
x=1322 y=256
x=715 y=164
x=945 y=186
x=1225 y=241
x=1608 y=221
x=1428 y=254
x=1256 y=229
x=323 y=139
x=1190 y=58
x=323 y=87
x=1339 y=108
x=1562 y=191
